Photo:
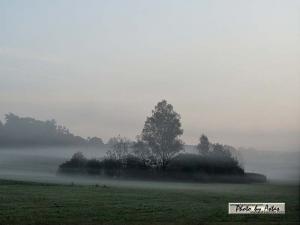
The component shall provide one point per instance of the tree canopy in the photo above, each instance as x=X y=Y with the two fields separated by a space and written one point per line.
x=203 y=146
x=161 y=133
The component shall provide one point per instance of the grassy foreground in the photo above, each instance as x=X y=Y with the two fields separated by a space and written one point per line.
x=36 y=203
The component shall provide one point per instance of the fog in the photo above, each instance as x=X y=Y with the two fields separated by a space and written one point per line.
x=277 y=166
x=229 y=68
x=41 y=164
x=99 y=67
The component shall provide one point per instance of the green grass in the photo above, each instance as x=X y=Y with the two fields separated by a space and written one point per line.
x=36 y=203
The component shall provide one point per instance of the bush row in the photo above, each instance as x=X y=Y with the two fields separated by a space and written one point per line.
x=182 y=167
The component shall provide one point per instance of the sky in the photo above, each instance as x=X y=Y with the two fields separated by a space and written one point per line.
x=230 y=68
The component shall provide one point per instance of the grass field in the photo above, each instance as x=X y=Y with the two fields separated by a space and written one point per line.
x=36 y=203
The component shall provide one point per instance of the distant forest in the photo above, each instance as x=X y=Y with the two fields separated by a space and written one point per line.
x=28 y=132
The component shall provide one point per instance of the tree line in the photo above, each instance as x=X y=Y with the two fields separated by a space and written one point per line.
x=27 y=132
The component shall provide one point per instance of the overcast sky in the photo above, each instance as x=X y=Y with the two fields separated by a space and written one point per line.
x=230 y=68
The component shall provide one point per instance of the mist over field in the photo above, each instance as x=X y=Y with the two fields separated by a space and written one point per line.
x=41 y=164
x=230 y=69
x=149 y=112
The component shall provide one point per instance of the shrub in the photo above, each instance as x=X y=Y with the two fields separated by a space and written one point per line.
x=112 y=167
x=192 y=163
x=94 y=166
x=75 y=165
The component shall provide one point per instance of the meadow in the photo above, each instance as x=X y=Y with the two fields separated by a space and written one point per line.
x=127 y=202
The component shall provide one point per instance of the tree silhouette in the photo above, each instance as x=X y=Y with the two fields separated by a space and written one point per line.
x=26 y=131
x=203 y=146
x=119 y=148
x=76 y=164
x=161 y=133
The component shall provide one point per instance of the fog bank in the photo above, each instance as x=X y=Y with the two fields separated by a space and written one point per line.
x=41 y=164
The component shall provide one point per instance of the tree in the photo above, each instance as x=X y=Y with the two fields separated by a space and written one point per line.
x=76 y=164
x=203 y=146
x=119 y=148
x=78 y=159
x=142 y=151
x=221 y=152
x=161 y=133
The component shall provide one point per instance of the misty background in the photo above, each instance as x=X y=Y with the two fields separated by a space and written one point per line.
x=230 y=68
x=41 y=164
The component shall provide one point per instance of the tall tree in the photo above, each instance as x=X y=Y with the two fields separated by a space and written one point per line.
x=161 y=133
x=203 y=146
